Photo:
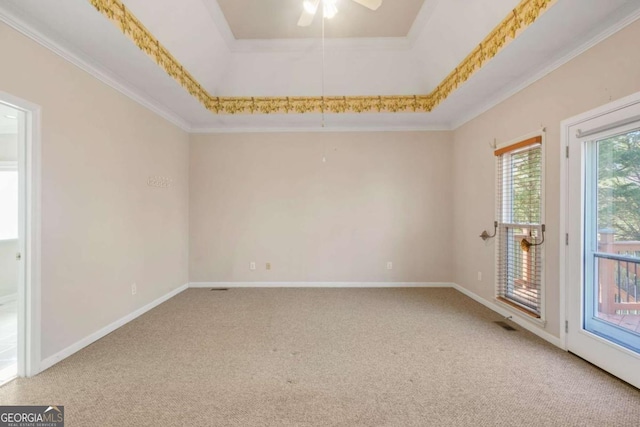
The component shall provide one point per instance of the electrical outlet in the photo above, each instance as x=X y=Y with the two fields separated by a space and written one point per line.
x=479 y=275
x=134 y=289
x=389 y=265
x=252 y=265
x=268 y=266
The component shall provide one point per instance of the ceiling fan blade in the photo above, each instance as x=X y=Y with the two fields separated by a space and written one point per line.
x=370 y=4
x=308 y=12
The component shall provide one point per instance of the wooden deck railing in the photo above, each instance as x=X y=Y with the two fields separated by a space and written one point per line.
x=619 y=269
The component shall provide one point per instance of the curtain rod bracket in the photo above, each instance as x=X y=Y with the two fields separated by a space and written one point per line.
x=525 y=244
x=486 y=236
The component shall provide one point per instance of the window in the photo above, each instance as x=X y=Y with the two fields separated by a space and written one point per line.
x=612 y=237
x=601 y=261
x=9 y=201
x=520 y=225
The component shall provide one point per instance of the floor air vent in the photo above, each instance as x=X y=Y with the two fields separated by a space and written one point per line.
x=505 y=325
x=219 y=289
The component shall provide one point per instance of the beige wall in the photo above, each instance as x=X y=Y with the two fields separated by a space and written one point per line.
x=269 y=198
x=417 y=199
x=606 y=72
x=103 y=228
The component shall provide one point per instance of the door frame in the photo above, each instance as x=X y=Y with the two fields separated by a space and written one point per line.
x=29 y=295
x=567 y=241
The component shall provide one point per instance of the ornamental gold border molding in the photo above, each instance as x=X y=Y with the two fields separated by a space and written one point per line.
x=524 y=14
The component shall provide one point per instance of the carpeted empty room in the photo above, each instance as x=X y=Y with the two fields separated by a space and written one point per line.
x=340 y=357
x=320 y=213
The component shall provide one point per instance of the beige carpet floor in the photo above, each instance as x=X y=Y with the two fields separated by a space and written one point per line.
x=326 y=357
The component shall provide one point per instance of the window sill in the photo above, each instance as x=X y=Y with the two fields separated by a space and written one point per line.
x=521 y=312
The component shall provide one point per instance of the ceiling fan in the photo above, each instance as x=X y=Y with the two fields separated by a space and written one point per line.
x=329 y=9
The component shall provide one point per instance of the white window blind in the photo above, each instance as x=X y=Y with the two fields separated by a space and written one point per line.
x=520 y=228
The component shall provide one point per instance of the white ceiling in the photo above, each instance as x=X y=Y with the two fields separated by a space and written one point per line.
x=277 y=19
x=198 y=35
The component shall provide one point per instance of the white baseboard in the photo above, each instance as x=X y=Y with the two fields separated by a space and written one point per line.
x=320 y=285
x=52 y=360
x=8 y=298
x=526 y=324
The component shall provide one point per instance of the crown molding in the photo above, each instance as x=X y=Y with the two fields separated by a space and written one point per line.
x=522 y=16
x=312 y=129
x=503 y=96
x=298 y=45
x=13 y=19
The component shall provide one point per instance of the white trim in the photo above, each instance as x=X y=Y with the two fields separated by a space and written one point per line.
x=120 y=84
x=29 y=293
x=79 y=345
x=610 y=107
x=549 y=69
x=33 y=251
x=599 y=351
x=329 y=129
x=507 y=312
x=564 y=227
x=320 y=285
x=86 y=64
x=610 y=344
x=8 y=298
x=460 y=120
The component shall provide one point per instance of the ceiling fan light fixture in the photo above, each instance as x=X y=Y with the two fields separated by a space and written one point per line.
x=330 y=9
x=310 y=7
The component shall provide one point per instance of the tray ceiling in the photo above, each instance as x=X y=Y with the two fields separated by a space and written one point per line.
x=277 y=19
x=198 y=35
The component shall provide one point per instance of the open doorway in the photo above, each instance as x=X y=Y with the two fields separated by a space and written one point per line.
x=19 y=238
x=12 y=122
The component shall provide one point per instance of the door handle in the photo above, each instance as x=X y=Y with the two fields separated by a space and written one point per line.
x=18 y=256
